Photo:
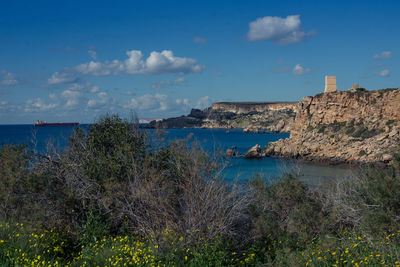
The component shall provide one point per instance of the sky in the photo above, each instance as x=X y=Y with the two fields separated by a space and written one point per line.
x=78 y=60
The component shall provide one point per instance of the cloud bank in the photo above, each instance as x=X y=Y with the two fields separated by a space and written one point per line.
x=280 y=30
x=8 y=78
x=384 y=73
x=167 y=83
x=300 y=70
x=164 y=62
x=383 y=55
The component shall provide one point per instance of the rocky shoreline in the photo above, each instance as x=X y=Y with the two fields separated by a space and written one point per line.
x=341 y=127
x=344 y=127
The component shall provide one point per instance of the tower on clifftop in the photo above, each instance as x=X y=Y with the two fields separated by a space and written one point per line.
x=330 y=84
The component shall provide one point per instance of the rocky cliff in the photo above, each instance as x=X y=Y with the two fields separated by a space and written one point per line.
x=251 y=116
x=344 y=127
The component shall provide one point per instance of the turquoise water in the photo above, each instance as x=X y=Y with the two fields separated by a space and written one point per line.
x=214 y=141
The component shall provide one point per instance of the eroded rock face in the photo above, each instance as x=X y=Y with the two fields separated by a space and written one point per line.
x=255 y=117
x=253 y=153
x=344 y=127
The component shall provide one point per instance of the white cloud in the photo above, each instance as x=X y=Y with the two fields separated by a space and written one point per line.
x=157 y=63
x=37 y=104
x=158 y=103
x=383 y=55
x=8 y=78
x=384 y=73
x=5 y=107
x=62 y=77
x=281 y=30
x=94 y=89
x=160 y=63
x=83 y=86
x=98 y=69
x=300 y=70
x=101 y=102
x=8 y=108
x=200 y=40
x=162 y=84
x=73 y=98
x=92 y=53
x=204 y=102
x=53 y=96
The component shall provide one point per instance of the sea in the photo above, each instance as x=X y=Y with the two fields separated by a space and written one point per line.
x=213 y=141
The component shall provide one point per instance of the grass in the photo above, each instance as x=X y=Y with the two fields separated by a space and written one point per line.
x=24 y=246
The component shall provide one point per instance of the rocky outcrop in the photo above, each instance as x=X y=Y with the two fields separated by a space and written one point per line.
x=359 y=127
x=231 y=152
x=253 y=153
x=252 y=116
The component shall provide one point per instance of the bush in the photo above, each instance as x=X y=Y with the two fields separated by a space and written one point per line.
x=13 y=162
x=20 y=188
x=285 y=207
x=116 y=177
x=369 y=202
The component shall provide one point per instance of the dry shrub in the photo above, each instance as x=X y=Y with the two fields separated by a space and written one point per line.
x=117 y=175
x=13 y=161
x=285 y=207
x=369 y=201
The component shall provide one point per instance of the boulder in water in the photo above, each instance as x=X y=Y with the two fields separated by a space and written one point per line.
x=230 y=152
x=253 y=153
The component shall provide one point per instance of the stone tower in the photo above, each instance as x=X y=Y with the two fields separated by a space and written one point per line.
x=330 y=84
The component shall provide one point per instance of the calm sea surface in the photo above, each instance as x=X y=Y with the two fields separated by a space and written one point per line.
x=214 y=141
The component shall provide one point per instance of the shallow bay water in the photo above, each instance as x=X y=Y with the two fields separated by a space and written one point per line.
x=213 y=141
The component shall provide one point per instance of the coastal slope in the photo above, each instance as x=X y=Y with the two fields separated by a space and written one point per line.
x=251 y=116
x=353 y=127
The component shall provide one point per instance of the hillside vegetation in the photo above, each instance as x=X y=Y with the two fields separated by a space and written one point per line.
x=117 y=196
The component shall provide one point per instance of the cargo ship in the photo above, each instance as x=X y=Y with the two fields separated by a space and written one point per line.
x=43 y=123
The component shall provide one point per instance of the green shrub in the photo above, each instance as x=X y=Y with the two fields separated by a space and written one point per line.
x=116 y=145
x=285 y=207
x=380 y=191
x=364 y=133
x=322 y=129
x=361 y=90
x=389 y=122
x=350 y=130
x=13 y=162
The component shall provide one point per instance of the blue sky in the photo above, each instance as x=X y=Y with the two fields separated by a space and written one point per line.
x=77 y=60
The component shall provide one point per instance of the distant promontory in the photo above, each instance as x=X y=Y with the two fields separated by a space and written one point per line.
x=250 y=116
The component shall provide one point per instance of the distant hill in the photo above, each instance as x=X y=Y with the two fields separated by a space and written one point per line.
x=252 y=116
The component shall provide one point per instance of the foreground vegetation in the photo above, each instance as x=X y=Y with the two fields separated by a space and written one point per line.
x=117 y=196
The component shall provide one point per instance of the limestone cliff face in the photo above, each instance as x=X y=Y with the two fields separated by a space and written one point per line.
x=247 y=107
x=344 y=127
x=253 y=116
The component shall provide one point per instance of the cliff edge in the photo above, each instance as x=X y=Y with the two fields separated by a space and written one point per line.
x=352 y=127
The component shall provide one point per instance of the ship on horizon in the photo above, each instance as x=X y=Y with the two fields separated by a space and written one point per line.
x=41 y=123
